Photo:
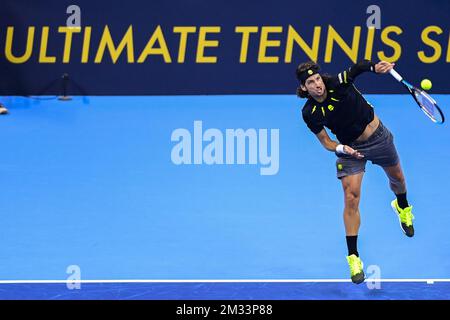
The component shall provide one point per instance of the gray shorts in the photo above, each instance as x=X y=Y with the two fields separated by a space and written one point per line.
x=379 y=149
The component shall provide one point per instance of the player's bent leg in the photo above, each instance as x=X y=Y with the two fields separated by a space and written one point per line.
x=400 y=204
x=396 y=178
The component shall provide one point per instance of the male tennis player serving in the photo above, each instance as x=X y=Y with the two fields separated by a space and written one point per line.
x=335 y=103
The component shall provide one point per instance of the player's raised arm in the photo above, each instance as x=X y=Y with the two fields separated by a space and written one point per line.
x=348 y=76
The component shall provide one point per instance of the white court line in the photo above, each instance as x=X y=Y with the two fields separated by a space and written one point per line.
x=219 y=281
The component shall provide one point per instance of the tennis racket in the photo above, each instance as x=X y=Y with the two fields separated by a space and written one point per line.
x=423 y=99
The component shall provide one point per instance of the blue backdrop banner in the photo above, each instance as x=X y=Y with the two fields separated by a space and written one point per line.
x=157 y=47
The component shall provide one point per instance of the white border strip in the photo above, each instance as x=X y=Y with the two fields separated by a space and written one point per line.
x=220 y=281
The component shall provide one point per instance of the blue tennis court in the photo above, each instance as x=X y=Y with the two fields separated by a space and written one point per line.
x=91 y=191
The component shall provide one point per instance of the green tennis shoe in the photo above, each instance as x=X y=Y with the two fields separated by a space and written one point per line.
x=356 y=269
x=405 y=218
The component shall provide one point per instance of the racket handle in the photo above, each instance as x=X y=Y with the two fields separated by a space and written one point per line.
x=395 y=74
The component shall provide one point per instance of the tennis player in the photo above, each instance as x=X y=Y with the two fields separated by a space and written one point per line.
x=335 y=103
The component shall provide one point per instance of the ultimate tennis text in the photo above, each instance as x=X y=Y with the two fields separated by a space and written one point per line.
x=203 y=44
x=235 y=146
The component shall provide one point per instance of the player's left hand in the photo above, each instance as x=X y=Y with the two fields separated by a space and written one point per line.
x=383 y=67
x=354 y=153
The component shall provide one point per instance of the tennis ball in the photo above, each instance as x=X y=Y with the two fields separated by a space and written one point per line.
x=426 y=84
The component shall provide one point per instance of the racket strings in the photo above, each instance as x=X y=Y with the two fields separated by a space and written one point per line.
x=428 y=106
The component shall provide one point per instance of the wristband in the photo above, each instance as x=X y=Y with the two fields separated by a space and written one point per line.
x=340 y=149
